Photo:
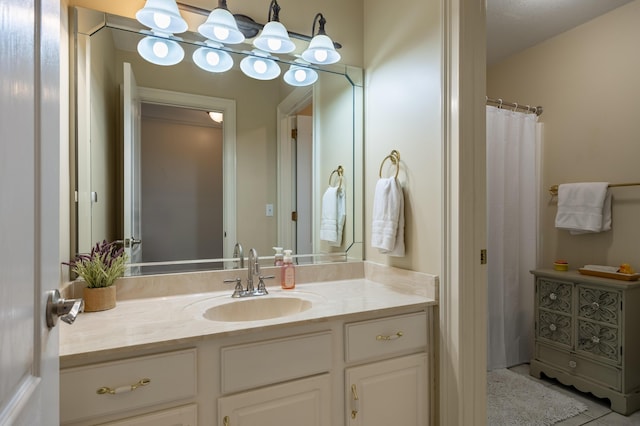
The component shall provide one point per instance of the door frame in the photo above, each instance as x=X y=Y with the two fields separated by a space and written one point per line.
x=228 y=108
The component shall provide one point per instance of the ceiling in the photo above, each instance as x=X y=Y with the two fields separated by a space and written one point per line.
x=515 y=25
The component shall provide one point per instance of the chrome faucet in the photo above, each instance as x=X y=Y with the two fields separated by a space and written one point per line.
x=238 y=252
x=253 y=272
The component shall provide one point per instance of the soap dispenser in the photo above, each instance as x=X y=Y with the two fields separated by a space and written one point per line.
x=288 y=275
x=278 y=259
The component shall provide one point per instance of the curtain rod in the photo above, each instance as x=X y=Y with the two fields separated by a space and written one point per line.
x=537 y=110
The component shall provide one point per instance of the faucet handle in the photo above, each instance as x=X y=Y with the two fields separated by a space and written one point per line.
x=238 y=290
x=262 y=289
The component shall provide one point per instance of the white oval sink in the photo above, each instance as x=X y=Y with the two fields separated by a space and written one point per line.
x=257 y=308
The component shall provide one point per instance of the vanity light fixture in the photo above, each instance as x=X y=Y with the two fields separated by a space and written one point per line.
x=300 y=75
x=212 y=58
x=260 y=66
x=159 y=49
x=163 y=16
x=274 y=37
x=221 y=26
x=321 y=50
x=216 y=116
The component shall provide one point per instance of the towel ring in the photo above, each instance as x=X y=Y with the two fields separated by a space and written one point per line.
x=394 y=157
x=340 y=172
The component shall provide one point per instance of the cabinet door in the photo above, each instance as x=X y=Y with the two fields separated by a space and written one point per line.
x=301 y=402
x=392 y=392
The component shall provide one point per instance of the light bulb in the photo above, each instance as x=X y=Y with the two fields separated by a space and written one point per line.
x=300 y=75
x=213 y=58
x=221 y=33
x=260 y=66
x=320 y=55
x=160 y=49
x=274 y=44
x=161 y=20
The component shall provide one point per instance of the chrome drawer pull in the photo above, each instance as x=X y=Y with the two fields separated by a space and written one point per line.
x=398 y=335
x=553 y=296
x=573 y=364
x=552 y=327
x=122 y=389
x=595 y=339
x=595 y=305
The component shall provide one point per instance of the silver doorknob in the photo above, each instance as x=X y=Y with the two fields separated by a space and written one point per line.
x=66 y=309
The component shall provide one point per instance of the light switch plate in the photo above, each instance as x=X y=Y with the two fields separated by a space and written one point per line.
x=269 y=210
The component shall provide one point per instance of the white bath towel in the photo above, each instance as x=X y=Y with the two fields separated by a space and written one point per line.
x=387 y=233
x=584 y=207
x=333 y=216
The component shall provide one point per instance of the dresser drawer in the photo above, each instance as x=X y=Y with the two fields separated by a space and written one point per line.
x=84 y=391
x=263 y=363
x=385 y=337
x=604 y=375
x=598 y=340
x=599 y=305
x=555 y=295
x=554 y=327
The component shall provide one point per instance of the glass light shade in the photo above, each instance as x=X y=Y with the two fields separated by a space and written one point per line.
x=212 y=60
x=260 y=66
x=216 y=116
x=300 y=76
x=160 y=51
x=321 y=51
x=274 y=38
x=222 y=27
x=162 y=15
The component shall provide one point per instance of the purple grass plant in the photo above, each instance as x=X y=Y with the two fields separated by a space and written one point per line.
x=102 y=267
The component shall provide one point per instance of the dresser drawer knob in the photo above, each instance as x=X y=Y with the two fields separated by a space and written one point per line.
x=595 y=339
x=595 y=305
x=553 y=327
x=122 y=389
x=398 y=335
x=553 y=296
x=573 y=364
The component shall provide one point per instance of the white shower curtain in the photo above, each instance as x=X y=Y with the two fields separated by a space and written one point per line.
x=513 y=141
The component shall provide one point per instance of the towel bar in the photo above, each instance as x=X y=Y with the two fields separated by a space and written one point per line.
x=553 y=190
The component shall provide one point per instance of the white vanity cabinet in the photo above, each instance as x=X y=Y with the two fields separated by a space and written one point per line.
x=393 y=391
x=586 y=335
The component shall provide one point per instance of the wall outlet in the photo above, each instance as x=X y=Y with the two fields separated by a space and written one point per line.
x=269 y=210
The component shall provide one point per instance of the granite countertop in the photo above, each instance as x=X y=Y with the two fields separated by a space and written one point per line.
x=160 y=321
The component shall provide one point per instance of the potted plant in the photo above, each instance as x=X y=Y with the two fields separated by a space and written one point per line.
x=99 y=270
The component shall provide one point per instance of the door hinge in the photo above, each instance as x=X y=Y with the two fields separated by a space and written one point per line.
x=294 y=216
x=483 y=256
x=294 y=133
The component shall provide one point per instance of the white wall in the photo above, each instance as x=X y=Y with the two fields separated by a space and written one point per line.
x=587 y=81
x=403 y=112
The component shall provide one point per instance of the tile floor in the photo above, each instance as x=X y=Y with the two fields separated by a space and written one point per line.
x=598 y=412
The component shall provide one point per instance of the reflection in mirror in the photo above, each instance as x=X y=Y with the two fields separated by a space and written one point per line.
x=262 y=176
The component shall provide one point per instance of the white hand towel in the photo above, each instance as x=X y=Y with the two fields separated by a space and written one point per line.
x=584 y=207
x=329 y=218
x=387 y=233
x=341 y=216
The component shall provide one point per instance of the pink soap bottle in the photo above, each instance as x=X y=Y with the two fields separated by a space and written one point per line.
x=288 y=275
x=278 y=259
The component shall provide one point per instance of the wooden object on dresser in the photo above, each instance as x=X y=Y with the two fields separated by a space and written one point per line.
x=587 y=335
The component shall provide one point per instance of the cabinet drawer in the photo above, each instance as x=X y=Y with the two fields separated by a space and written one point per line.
x=599 y=305
x=598 y=340
x=555 y=295
x=172 y=377
x=180 y=416
x=554 y=327
x=385 y=337
x=603 y=375
x=264 y=363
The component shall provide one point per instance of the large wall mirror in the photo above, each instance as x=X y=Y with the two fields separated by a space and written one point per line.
x=154 y=170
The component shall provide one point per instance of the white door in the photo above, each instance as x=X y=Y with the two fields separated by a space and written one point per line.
x=303 y=184
x=29 y=209
x=392 y=392
x=132 y=183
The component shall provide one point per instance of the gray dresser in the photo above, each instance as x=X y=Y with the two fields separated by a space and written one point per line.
x=587 y=334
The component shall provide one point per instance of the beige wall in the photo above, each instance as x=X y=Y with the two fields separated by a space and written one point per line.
x=587 y=81
x=403 y=112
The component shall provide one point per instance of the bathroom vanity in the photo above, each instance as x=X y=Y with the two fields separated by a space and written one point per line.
x=586 y=335
x=361 y=354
